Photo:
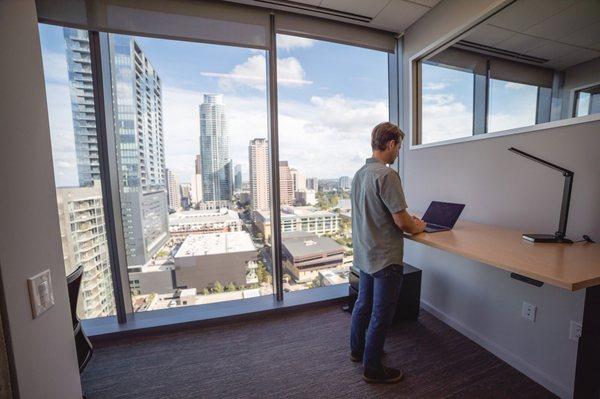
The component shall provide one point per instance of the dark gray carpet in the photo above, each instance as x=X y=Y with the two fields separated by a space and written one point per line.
x=300 y=355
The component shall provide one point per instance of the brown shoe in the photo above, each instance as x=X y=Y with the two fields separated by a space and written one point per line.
x=386 y=375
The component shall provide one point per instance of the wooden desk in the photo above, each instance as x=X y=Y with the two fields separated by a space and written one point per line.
x=569 y=266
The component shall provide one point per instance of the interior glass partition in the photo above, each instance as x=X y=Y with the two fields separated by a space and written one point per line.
x=330 y=97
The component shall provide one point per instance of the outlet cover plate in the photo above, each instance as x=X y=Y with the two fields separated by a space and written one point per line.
x=529 y=311
x=41 y=294
x=575 y=331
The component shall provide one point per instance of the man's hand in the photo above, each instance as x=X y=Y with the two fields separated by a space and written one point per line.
x=420 y=224
x=408 y=223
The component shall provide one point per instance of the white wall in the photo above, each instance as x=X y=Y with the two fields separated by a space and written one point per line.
x=44 y=348
x=500 y=188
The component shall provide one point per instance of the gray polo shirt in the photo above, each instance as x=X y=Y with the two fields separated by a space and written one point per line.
x=376 y=194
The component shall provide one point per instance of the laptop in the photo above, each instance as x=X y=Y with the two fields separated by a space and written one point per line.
x=441 y=216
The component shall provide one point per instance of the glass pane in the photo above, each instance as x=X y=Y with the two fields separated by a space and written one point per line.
x=447 y=103
x=512 y=105
x=330 y=98
x=70 y=97
x=583 y=103
x=185 y=115
x=588 y=101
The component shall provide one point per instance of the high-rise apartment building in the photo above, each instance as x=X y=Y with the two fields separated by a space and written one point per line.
x=258 y=159
x=173 y=191
x=217 y=173
x=298 y=179
x=286 y=184
x=81 y=217
x=312 y=183
x=238 y=178
x=137 y=100
x=196 y=183
x=345 y=182
x=82 y=105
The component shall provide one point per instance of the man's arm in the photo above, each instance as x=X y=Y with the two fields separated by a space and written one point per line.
x=408 y=224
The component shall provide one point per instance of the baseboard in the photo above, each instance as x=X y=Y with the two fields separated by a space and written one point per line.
x=515 y=361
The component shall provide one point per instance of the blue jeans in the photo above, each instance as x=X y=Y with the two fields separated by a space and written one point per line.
x=373 y=313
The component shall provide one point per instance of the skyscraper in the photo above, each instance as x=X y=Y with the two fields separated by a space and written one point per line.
x=238 y=178
x=137 y=103
x=81 y=217
x=312 y=183
x=258 y=159
x=196 y=184
x=298 y=179
x=286 y=184
x=82 y=105
x=345 y=182
x=173 y=190
x=217 y=176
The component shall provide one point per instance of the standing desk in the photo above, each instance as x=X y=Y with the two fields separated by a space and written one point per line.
x=568 y=266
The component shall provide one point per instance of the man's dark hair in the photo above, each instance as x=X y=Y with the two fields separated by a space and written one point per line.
x=384 y=133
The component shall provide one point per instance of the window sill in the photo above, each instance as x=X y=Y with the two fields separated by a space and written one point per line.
x=164 y=320
x=525 y=129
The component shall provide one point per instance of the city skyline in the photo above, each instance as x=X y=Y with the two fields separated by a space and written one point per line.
x=323 y=106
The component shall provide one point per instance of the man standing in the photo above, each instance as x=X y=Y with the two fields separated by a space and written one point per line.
x=379 y=218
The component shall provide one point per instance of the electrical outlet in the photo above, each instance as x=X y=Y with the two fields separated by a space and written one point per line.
x=575 y=331
x=528 y=312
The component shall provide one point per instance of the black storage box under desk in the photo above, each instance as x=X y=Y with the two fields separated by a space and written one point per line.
x=409 y=301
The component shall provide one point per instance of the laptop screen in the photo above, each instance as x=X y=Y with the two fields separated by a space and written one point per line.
x=443 y=213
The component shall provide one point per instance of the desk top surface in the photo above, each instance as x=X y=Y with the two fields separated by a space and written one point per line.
x=569 y=266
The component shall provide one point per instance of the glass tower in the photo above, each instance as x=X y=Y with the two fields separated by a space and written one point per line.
x=217 y=176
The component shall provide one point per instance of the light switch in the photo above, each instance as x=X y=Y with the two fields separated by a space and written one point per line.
x=41 y=294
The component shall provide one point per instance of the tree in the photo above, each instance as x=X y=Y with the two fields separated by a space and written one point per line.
x=218 y=287
x=230 y=287
x=205 y=291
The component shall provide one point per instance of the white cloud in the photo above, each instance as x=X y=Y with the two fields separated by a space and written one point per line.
x=288 y=43
x=514 y=86
x=328 y=137
x=445 y=118
x=253 y=72
x=61 y=134
x=435 y=86
x=55 y=67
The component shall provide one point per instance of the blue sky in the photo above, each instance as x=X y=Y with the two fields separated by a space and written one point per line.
x=330 y=97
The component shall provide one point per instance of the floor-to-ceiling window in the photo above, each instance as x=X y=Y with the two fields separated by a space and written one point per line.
x=185 y=134
x=190 y=126
x=330 y=98
x=72 y=116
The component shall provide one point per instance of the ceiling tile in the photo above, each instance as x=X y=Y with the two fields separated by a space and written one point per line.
x=552 y=50
x=524 y=14
x=584 y=37
x=568 y=21
x=520 y=43
x=489 y=35
x=367 y=8
x=399 y=15
x=573 y=58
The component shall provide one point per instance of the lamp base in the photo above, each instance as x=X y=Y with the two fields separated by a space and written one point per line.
x=546 y=238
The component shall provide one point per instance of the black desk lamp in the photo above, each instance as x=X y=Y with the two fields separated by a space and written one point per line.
x=559 y=236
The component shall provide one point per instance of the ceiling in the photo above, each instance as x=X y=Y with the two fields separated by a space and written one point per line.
x=391 y=15
x=564 y=32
